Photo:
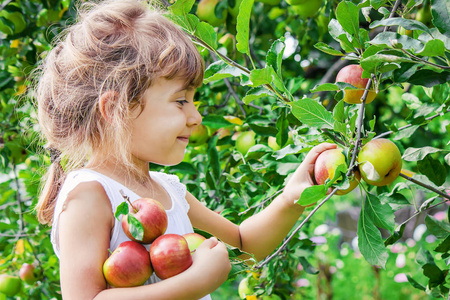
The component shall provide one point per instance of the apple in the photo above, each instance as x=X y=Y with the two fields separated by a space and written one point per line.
x=245 y=288
x=296 y=2
x=199 y=135
x=194 y=240
x=206 y=11
x=326 y=165
x=352 y=74
x=170 y=255
x=244 y=141
x=129 y=265
x=380 y=162
x=151 y=214
x=308 y=9
x=26 y=273
x=10 y=285
x=272 y=142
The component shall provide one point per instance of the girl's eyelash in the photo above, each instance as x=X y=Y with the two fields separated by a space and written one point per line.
x=182 y=101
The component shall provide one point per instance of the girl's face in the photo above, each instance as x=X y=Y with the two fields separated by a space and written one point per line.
x=160 y=132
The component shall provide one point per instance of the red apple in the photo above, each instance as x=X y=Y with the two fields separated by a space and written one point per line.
x=194 y=240
x=152 y=215
x=129 y=265
x=326 y=165
x=26 y=273
x=352 y=74
x=380 y=162
x=10 y=285
x=170 y=255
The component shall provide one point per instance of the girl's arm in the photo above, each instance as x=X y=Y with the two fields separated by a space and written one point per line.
x=85 y=228
x=263 y=232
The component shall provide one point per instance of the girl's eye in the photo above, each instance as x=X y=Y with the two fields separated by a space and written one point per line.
x=182 y=102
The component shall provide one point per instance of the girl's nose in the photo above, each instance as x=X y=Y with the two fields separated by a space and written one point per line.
x=194 y=118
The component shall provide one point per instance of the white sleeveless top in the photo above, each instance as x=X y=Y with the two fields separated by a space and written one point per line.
x=178 y=220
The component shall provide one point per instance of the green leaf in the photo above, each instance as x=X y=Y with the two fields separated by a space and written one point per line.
x=433 y=48
x=370 y=242
x=386 y=39
x=243 y=26
x=206 y=33
x=325 y=87
x=405 y=133
x=441 y=18
x=347 y=15
x=181 y=7
x=216 y=121
x=267 y=75
x=339 y=34
x=312 y=113
x=338 y=111
x=312 y=194
x=274 y=56
x=135 y=227
x=444 y=246
x=429 y=78
x=187 y=22
x=328 y=49
x=433 y=169
x=405 y=23
x=436 y=276
x=440 y=229
x=220 y=70
x=415 y=284
x=382 y=215
x=307 y=267
x=415 y=154
x=122 y=209
x=256 y=93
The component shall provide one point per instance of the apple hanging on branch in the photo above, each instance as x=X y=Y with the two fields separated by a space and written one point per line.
x=380 y=162
x=325 y=168
x=143 y=220
x=27 y=273
x=352 y=74
x=128 y=265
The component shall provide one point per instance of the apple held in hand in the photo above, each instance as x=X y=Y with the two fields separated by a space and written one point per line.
x=380 y=162
x=326 y=165
x=152 y=216
x=170 y=255
x=26 y=273
x=194 y=240
x=10 y=285
x=129 y=265
x=352 y=74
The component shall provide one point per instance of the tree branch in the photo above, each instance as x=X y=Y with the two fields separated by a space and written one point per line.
x=429 y=187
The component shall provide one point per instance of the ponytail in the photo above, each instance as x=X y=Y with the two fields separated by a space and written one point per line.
x=54 y=179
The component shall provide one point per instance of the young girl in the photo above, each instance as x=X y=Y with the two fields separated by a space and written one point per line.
x=115 y=94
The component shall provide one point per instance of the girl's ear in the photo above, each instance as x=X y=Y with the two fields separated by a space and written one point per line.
x=107 y=103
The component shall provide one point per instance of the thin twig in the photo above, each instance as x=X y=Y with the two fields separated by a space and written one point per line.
x=261 y=203
x=429 y=187
x=287 y=240
x=425 y=61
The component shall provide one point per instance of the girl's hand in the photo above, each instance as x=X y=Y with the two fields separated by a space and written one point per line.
x=303 y=176
x=211 y=263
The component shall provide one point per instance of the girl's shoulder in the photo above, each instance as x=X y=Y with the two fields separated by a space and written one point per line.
x=172 y=184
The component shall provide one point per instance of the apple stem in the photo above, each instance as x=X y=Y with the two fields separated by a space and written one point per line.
x=128 y=200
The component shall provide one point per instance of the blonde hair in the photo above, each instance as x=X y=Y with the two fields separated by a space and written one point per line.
x=119 y=46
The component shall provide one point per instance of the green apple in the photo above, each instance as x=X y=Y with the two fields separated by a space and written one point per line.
x=352 y=74
x=129 y=265
x=199 y=135
x=245 y=289
x=326 y=165
x=380 y=162
x=10 y=285
x=244 y=141
x=308 y=9
x=194 y=240
x=206 y=11
x=296 y=2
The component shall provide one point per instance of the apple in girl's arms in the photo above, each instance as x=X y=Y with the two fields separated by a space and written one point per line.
x=194 y=240
x=26 y=273
x=152 y=216
x=129 y=265
x=170 y=255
